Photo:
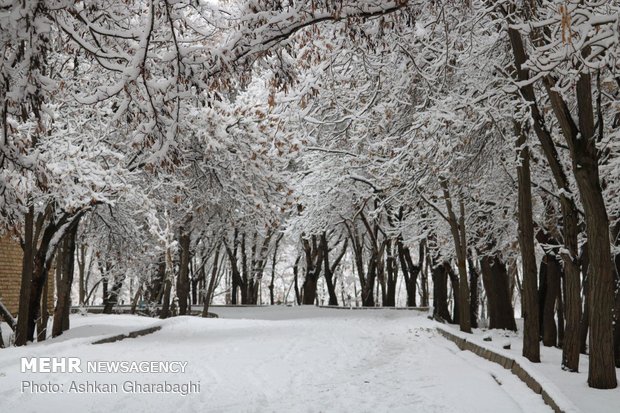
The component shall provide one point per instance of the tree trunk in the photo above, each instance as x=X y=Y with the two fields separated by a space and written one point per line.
x=296 y=280
x=21 y=336
x=584 y=326
x=531 y=330
x=440 y=292
x=457 y=228
x=64 y=280
x=314 y=263
x=392 y=276
x=330 y=269
x=208 y=295
x=454 y=281
x=497 y=287
x=584 y=155
x=410 y=272
x=474 y=299
x=183 y=278
x=550 y=275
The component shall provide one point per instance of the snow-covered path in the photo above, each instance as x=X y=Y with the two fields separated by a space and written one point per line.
x=277 y=360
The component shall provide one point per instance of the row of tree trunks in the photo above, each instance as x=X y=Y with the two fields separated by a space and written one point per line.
x=457 y=228
x=581 y=138
x=330 y=268
x=42 y=235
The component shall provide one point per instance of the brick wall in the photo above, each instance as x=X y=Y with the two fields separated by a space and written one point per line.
x=11 y=256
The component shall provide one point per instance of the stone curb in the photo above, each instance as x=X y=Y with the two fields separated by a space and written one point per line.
x=549 y=396
x=132 y=334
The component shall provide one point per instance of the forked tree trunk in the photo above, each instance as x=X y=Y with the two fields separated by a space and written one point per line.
x=584 y=155
x=457 y=228
x=314 y=264
x=410 y=272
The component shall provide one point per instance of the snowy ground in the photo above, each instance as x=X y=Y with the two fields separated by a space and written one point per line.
x=274 y=360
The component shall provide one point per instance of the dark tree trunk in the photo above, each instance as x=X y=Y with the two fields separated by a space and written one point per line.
x=454 y=281
x=113 y=293
x=237 y=280
x=474 y=299
x=45 y=315
x=440 y=292
x=273 y=269
x=296 y=280
x=584 y=326
x=497 y=287
x=457 y=228
x=410 y=272
x=53 y=234
x=64 y=280
x=550 y=276
x=165 y=307
x=392 y=276
x=27 y=268
x=208 y=295
x=423 y=256
x=330 y=269
x=368 y=298
x=183 y=278
x=584 y=155
x=531 y=330
x=617 y=310
x=136 y=298
x=83 y=286
x=314 y=263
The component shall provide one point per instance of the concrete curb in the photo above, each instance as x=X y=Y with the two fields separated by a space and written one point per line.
x=337 y=307
x=132 y=334
x=550 y=394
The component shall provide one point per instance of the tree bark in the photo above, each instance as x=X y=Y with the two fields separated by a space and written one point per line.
x=64 y=280
x=550 y=276
x=183 y=278
x=454 y=281
x=21 y=336
x=440 y=292
x=497 y=287
x=208 y=295
x=474 y=299
x=584 y=155
x=531 y=330
x=457 y=227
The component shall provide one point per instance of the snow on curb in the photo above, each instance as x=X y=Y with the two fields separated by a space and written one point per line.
x=534 y=380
